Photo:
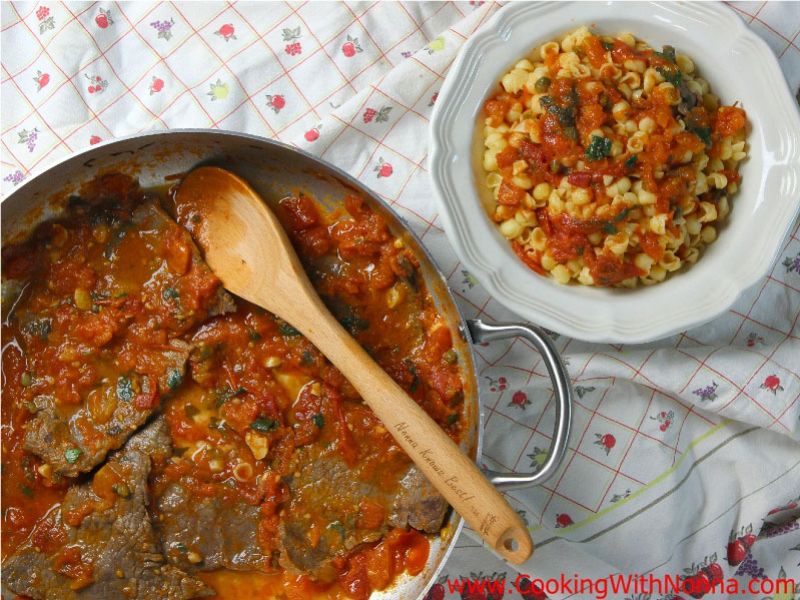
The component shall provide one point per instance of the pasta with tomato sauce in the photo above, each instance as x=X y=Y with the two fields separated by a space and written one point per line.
x=610 y=163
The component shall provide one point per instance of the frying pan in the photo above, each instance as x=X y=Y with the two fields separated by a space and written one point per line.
x=275 y=170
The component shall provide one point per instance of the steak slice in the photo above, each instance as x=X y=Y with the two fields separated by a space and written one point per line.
x=76 y=443
x=156 y=287
x=111 y=552
x=328 y=499
x=209 y=533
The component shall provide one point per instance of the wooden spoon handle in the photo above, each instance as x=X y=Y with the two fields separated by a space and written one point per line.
x=453 y=474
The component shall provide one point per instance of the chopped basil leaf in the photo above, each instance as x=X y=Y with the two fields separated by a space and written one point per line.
x=224 y=394
x=264 y=424
x=678 y=213
x=253 y=335
x=609 y=228
x=599 y=147
x=674 y=76
x=72 y=455
x=621 y=215
x=174 y=379
x=124 y=389
x=26 y=491
x=353 y=323
x=40 y=328
x=607 y=45
x=170 y=294
x=452 y=419
x=288 y=330
x=181 y=547
x=631 y=161
x=704 y=133
x=319 y=420
x=308 y=358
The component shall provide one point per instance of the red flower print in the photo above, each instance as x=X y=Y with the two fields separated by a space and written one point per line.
x=563 y=520
x=97 y=84
x=104 y=19
x=276 y=102
x=95 y=139
x=156 y=85
x=351 y=47
x=226 y=32
x=45 y=20
x=41 y=79
x=433 y=99
x=312 y=134
x=772 y=384
x=753 y=338
x=292 y=35
x=665 y=419
x=379 y=116
x=497 y=384
x=383 y=168
x=605 y=441
x=519 y=399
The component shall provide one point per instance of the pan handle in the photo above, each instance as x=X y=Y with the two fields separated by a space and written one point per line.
x=484 y=332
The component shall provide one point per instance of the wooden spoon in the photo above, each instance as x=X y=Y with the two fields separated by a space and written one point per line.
x=247 y=248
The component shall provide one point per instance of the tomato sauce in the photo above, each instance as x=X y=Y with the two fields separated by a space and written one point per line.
x=255 y=394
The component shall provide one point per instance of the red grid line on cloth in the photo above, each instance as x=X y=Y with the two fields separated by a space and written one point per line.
x=767 y=359
x=215 y=122
x=627 y=450
x=754 y=17
x=86 y=65
x=572 y=458
x=791 y=44
x=366 y=30
x=755 y=350
x=785 y=410
x=788 y=334
x=742 y=391
x=113 y=70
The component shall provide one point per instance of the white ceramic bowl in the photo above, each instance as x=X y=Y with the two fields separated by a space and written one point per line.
x=737 y=64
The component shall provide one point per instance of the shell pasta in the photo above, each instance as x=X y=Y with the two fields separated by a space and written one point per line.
x=610 y=163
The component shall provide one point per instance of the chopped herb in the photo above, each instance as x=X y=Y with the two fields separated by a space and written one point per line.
x=607 y=45
x=579 y=250
x=319 y=420
x=181 y=547
x=170 y=294
x=72 y=455
x=555 y=166
x=174 y=379
x=253 y=335
x=264 y=424
x=621 y=215
x=338 y=527
x=609 y=228
x=226 y=393
x=678 y=213
x=308 y=358
x=216 y=423
x=288 y=330
x=667 y=53
x=26 y=379
x=452 y=419
x=26 y=491
x=599 y=148
x=631 y=161
x=674 y=75
x=415 y=381
x=542 y=84
x=546 y=101
x=125 y=389
x=41 y=328
x=704 y=133
x=121 y=490
x=571 y=132
x=353 y=323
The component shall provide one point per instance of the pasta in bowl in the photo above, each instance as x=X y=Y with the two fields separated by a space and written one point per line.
x=609 y=163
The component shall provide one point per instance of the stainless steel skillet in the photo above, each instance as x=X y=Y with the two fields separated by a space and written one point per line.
x=276 y=170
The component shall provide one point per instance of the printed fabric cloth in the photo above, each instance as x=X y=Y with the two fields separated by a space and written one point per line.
x=685 y=453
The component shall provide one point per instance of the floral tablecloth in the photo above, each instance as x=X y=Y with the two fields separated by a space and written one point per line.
x=685 y=453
